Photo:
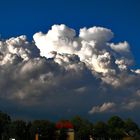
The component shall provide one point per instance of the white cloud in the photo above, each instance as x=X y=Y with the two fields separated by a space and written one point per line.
x=62 y=69
x=91 y=46
x=120 y=47
x=59 y=39
x=98 y=34
x=105 y=107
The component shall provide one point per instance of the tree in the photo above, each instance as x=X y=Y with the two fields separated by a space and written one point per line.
x=28 y=134
x=18 y=129
x=100 y=130
x=116 y=127
x=5 y=120
x=116 y=121
x=44 y=128
x=83 y=128
x=131 y=128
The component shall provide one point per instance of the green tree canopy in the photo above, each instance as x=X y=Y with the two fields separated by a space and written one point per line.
x=83 y=128
x=130 y=127
x=100 y=130
x=115 y=122
x=116 y=127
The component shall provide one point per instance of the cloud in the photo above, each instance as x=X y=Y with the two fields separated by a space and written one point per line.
x=131 y=105
x=32 y=79
x=105 y=107
x=98 y=34
x=59 y=39
x=91 y=46
x=108 y=107
x=60 y=69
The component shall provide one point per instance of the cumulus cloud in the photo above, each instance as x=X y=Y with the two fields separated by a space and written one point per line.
x=105 y=107
x=98 y=34
x=32 y=79
x=60 y=69
x=92 y=46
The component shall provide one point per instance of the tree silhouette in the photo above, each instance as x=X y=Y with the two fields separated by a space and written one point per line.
x=5 y=120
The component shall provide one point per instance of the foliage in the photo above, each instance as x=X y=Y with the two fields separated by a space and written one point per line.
x=130 y=126
x=114 y=129
x=5 y=120
x=83 y=128
x=18 y=129
x=100 y=130
x=46 y=129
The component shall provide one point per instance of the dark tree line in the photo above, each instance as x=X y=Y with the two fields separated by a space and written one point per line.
x=114 y=129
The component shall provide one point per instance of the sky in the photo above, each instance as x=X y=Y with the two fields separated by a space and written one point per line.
x=29 y=16
x=75 y=57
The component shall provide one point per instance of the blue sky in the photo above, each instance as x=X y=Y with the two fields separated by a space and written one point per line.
x=30 y=16
x=23 y=85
